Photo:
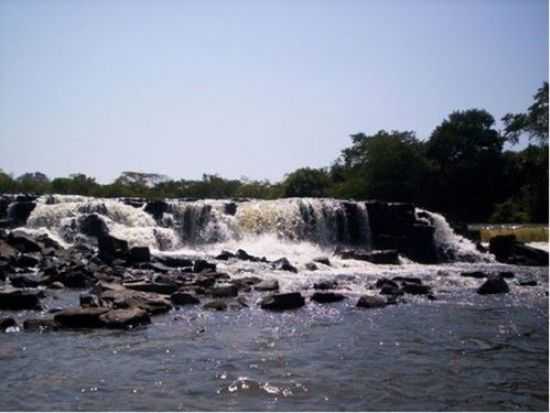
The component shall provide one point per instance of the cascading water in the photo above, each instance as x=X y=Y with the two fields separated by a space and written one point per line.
x=268 y=228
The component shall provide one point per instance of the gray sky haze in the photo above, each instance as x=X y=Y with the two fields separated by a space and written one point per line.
x=248 y=88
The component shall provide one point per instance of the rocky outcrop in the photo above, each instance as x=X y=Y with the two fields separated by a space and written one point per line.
x=509 y=250
x=395 y=226
x=157 y=209
x=93 y=226
x=111 y=248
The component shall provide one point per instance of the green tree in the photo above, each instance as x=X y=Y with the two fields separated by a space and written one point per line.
x=307 y=182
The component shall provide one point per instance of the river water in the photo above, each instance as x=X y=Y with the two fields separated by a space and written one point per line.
x=462 y=351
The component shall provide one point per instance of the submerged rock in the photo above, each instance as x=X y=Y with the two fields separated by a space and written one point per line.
x=495 y=284
x=327 y=297
x=80 y=317
x=280 y=302
x=371 y=301
x=124 y=318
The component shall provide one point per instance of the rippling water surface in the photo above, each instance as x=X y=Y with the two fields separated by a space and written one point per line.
x=461 y=352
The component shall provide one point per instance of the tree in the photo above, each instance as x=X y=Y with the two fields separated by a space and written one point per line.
x=534 y=122
x=308 y=182
x=385 y=166
x=36 y=182
x=466 y=151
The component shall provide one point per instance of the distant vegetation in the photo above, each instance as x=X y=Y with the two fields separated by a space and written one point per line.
x=461 y=169
x=523 y=233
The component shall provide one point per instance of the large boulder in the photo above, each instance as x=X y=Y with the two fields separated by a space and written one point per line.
x=139 y=254
x=16 y=299
x=508 y=249
x=180 y=298
x=23 y=243
x=157 y=209
x=494 y=284
x=280 y=302
x=116 y=296
x=93 y=225
x=282 y=264
x=327 y=297
x=19 y=212
x=111 y=248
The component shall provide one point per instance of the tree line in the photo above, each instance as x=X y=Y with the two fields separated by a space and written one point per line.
x=461 y=169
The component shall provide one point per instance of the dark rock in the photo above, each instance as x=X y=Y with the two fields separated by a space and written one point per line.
x=40 y=324
x=23 y=243
x=19 y=211
x=216 y=305
x=174 y=262
x=494 y=284
x=508 y=250
x=382 y=282
x=371 y=301
x=27 y=260
x=88 y=300
x=410 y=280
x=152 y=287
x=325 y=285
x=391 y=290
x=283 y=264
x=247 y=281
x=7 y=252
x=225 y=255
x=222 y=291
x=230 y=208
x=376 y=257
x=93 y=225
x=157 y=267
x=474 y=274
x=139 y=254
x=322 y=260
x=280 y=302
x=117 y=296
x=76 y=279
x=57 y=285
x=180 y=298
x=7 y=322
x=502 y=246
x=124 y=318
x=111 y=248
x=506 y=274
x=26 y=280
x=267 y=285
x=80 y=317
x=245 y=256
x=327 y=297
x=415 y=289
x=14 y=299
x=527 y=282
x=203 y=266
x=157 y=209
x=311 y=266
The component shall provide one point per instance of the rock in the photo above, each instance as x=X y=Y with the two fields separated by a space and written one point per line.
x=283 y=264
x=216 y=305
x=527 y=282
x=390 y=290
x=230 y=208
x=174 y=262
x=383 y=282
x=280 y=302
x=80 y=317
x=327 y=297
x=473 y=274
x=88 y=300
x=248 y=281
x=180 y=298
x=76 y=279
x=225 y=255
x=23 y=243
x=152 y=287
x=507 y=249
x=157 y=209
x=15 y=299
x=6 y=323
x=325 y=285
x=27 y=260
x=222 y=291
x=415 y=289
x=120 y=297
x=376 y=257
x=111 y=248
x=203 y=266
x=506 y=274
x=311 y=266
x=19 y=211
x=93 y=225
x=26 y=280
x=410 y=280
x=139 y=254
x=322 y=260
x=494 y=284
x=7 y=252
x=40 y=324
x=124 y=318
x=57 y=285
x=243 y=255
x=502 y=246
x=371 y=301
x=267 y=285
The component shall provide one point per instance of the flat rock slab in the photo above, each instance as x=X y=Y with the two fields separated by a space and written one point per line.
x=281 y=302
x=124 y=318
x=183 y=298
x=327 y=297
x=80 y=317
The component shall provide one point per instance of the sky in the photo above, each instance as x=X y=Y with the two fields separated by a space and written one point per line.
x=248 y=88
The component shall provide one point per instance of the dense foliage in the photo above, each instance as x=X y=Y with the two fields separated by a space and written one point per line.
x=461 y=169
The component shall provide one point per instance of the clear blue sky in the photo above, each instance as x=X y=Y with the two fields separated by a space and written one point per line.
x=248 y=88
